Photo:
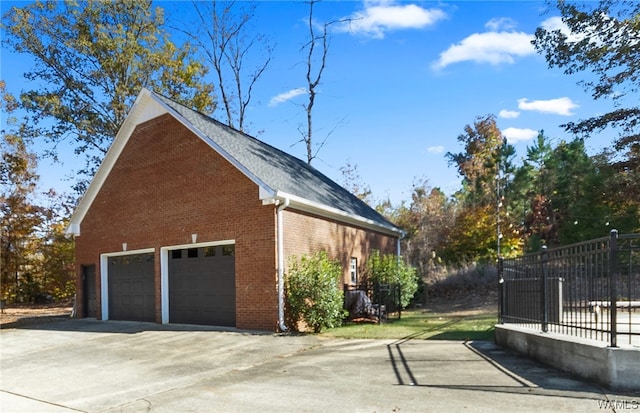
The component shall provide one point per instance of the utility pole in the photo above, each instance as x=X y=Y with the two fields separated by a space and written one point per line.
x=498 y=206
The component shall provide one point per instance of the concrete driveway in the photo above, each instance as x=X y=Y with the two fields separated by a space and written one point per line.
x=96 y=366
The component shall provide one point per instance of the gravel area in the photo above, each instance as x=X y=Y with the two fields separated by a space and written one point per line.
x=14 y=316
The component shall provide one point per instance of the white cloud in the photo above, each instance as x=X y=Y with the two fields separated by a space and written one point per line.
x=380 y=17
x=515 y=135
x=286 y=96
x=500 y=23
x=560 y=106
x=489 y=47
x=436 y=149
x=556 y=23
x=508 y=114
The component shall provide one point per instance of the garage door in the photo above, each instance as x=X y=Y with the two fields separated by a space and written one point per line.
x=202 y=287
x=131 y=287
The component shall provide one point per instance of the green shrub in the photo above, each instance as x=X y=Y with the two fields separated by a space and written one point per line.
x=313 y=292
x=388 y=269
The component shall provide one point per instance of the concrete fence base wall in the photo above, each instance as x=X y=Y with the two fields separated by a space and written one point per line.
x=617 y=368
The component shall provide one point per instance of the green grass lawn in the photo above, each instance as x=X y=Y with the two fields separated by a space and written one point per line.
x=424 y=325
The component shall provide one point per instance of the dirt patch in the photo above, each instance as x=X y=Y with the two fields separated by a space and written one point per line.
x=469 y=303
x=18 y=315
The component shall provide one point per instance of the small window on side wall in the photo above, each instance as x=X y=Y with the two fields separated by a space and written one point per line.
x=353 y=270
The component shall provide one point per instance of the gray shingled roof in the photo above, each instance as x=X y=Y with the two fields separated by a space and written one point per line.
x=277 y=169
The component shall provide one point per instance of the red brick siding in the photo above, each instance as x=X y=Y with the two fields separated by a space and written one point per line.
x=305 y=234
x=168 y=184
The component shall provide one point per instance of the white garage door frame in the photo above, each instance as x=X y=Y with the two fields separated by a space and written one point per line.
x=164 y=270
x=104 y=275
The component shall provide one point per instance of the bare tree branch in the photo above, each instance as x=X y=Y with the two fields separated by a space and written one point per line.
x=226 y=46
x=314 y=76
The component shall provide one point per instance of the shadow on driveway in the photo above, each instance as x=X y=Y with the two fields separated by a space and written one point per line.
x=118 y=366
x=91 y=325
x=485 y=367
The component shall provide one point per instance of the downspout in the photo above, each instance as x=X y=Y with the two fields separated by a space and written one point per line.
x=398 y=251
x=280 y=242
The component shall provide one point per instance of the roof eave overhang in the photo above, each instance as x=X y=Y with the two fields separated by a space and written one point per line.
x=305 y=205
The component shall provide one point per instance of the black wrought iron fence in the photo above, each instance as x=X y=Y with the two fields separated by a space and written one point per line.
x=590 y=289
x=373 y=301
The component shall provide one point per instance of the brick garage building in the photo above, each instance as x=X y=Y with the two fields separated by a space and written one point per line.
x=190 y=221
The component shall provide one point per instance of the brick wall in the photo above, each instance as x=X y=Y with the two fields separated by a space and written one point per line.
x=168 y=184
x=305 y=233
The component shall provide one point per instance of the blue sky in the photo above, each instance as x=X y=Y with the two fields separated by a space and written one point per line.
x=401 y=82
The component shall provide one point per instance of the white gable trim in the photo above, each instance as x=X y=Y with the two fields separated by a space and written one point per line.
x=142 y=110
x=146 y=107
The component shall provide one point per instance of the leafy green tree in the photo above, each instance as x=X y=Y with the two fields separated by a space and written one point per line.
x=391 y=269
x=564 y=194
x=473 y=237
x=532 y=193
x=427 y=220
x=601 y=38
x=313 y=292
x=624 y=210
x=483 y=218
x=20 y=216
x=57 y=250
x=36 y=257
x=486 y=154
x=577 y=211
x=91 y=60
